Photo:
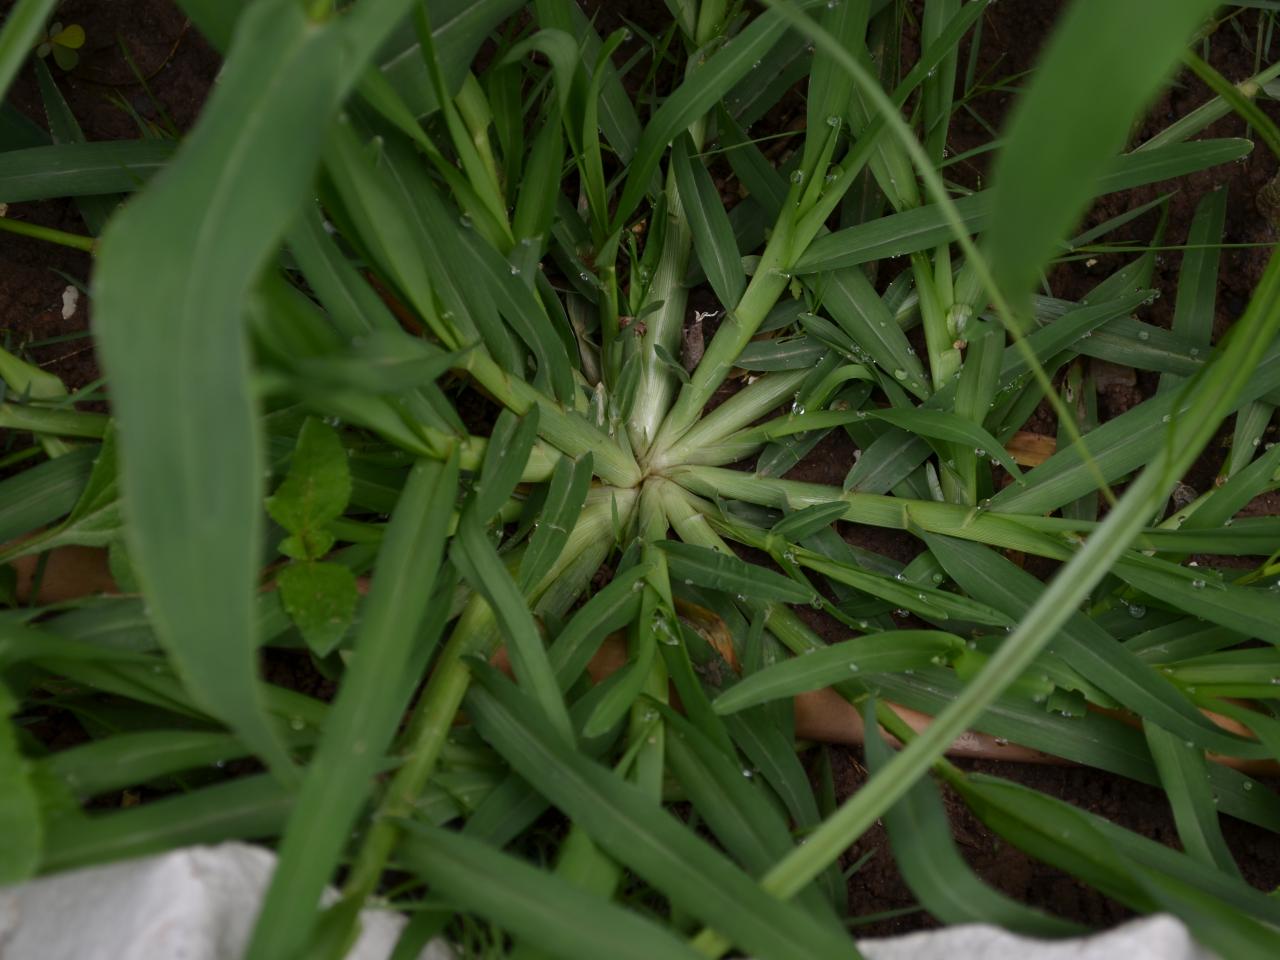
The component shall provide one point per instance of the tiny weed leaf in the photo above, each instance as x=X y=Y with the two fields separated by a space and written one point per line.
x=320 y=599
x=314 y=493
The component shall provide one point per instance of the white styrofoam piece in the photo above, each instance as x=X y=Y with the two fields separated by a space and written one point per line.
x=200 y=903
x=1159 y=937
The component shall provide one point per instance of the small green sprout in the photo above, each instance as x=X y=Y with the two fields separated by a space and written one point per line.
x=62 y=43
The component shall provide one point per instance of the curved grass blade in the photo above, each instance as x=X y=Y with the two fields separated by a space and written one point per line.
x=700 y=90
x=1058 y=833
x=719 y=571
x=22 y=26
x=927 y=226
x=854 y=304
x=939 y=425
x=889 y=652
x=457 y=29
x=611 y=609
x=570 y=481
x=1198 y=274
x=736 y=810
x=1068 y=124
x=81 y=169
x=127 y=759
x=709 y=223
x=363 y=718
x=540 y=908
x=1082 y=644
x=43 y=493
x=245 y=809
x=1184 y=775
x=173 y=346
x=932 y=867
x=628 y=825
x=20 y=806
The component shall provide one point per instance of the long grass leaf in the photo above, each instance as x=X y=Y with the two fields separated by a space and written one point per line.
x=537 y=906
x=1067 y=126
x=22 y=26
x=363 y=718
x=630 y=826
x=81 y=169
x=889 y=652
x=933 y=868
x=173 y=344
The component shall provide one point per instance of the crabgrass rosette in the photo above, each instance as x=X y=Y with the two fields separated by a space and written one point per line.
x=484 y=296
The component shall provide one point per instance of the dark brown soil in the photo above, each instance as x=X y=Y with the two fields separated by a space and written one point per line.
x=179 y=67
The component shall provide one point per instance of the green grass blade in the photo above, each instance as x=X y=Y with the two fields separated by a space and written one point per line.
x=190 y=442
x=860 y=657
x=216 y=19
x=538 y=907
x=478 y=561
x=1082 y=644
x=932 y=867
x=851 y=300
x=1193 y=313
x=709 y=223
x=95 y=211
x=363 y=719
x=20 y=806
x=245 y=809
x=1061 y=835
x=734 y=807
x=505 y=455
x=1183 y=773
x=927 y=226
x=1068 y=124
x=22 y=28
x=627 y=823
x=457 y=32
x=81 y=169
x=803 y=523
x=611 y=609
x=710 y=568
x=566 y=494
x=698 y=93
x=127 y=759
x=43 y=493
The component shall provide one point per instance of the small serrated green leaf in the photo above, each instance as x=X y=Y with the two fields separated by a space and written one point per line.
x=316 y=490
x=320 y=599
